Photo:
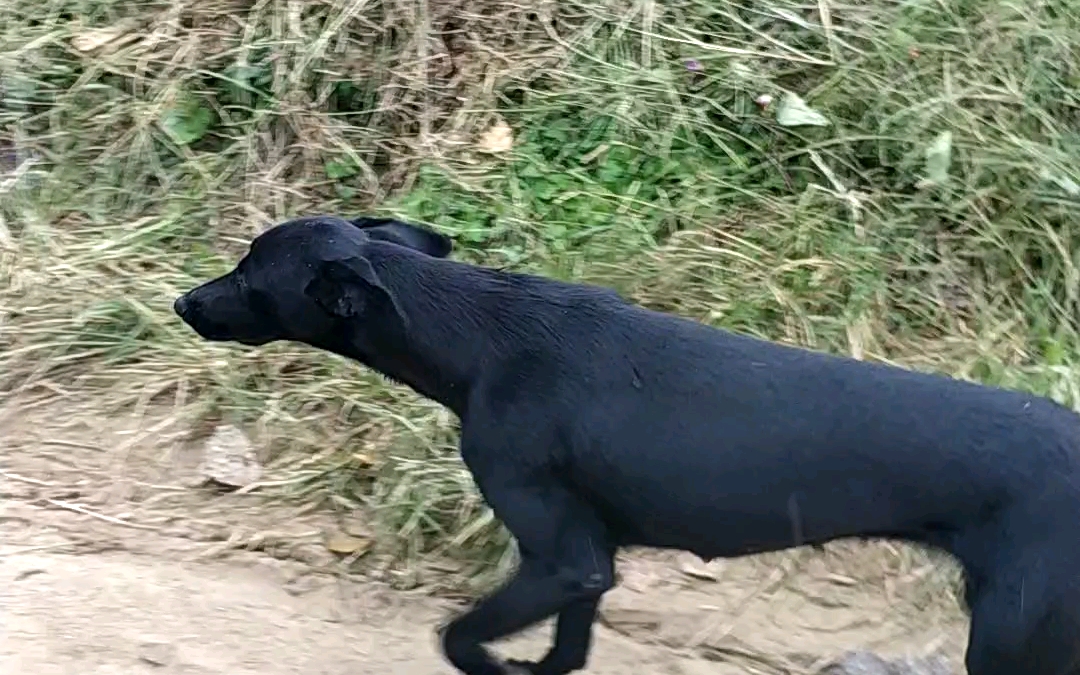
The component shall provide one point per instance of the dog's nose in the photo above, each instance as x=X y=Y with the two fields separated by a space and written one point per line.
x=180 y=305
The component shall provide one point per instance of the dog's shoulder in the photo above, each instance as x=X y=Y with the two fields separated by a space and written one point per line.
x=542 y=293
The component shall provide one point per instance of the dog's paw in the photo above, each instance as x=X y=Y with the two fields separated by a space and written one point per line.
x=516 y=667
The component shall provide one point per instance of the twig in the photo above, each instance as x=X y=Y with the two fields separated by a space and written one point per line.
x=167 y=488
x=35 y=549
x=710 y=632
x=73 y=444
x=94 y=514
x=25 y=479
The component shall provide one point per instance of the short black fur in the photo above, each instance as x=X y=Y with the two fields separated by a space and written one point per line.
x=591 y=424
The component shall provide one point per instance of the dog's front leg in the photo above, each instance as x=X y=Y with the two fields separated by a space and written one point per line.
x=531 y=596
x=567 y=564
x=573 y=639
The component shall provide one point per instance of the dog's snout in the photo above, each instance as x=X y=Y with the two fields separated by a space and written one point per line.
x=181 y=305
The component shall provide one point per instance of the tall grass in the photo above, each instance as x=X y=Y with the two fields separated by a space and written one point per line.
x=933 y=222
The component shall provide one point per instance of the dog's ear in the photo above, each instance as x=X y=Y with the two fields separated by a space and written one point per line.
x=416 y=237
x=345 y=287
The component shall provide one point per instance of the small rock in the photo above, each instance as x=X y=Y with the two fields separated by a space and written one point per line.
x=497 y=139
x=868 y=663
x=304 y=584
x=156 y=652
x=628 y=619
x=346 y=544
x=229 y=458
x=639 y=575
x=693 y=567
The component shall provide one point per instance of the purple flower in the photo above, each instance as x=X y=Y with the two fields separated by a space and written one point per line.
x=694 y=66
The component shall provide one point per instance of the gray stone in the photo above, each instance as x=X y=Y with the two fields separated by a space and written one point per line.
x=868 y=663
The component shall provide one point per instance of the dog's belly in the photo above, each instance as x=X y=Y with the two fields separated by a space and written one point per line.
x=738 y=513
x=721 y=489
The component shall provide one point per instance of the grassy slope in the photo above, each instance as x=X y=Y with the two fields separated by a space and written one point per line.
x=153 y=140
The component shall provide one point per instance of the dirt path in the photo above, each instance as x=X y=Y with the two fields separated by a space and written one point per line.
x=121 y=613
x=186 y=582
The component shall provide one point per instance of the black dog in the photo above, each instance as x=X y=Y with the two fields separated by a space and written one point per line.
x=590 y=423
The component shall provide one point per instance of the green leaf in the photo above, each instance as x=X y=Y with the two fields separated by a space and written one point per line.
x=938 y=157
x=343 y=168
x=1067 y=185
x=18 y=89
x=187 y=122
x=793 y=112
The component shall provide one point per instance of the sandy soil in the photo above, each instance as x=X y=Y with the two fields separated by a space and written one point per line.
x=110 y=564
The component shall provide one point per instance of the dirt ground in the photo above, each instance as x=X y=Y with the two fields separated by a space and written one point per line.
x=111 y=563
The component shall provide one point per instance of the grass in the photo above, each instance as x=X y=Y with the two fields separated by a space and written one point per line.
x=932 y=223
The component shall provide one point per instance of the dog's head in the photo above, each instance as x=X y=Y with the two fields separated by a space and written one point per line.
x=299 y=279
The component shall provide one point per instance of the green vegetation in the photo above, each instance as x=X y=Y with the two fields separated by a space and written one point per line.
x=933 y=221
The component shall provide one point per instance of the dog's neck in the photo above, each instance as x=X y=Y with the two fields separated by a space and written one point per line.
x=459 y=318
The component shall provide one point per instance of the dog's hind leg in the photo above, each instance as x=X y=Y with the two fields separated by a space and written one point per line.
x=1026 y=619
x=567 y=564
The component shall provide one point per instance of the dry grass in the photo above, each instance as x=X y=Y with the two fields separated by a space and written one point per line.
x=143 y=144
